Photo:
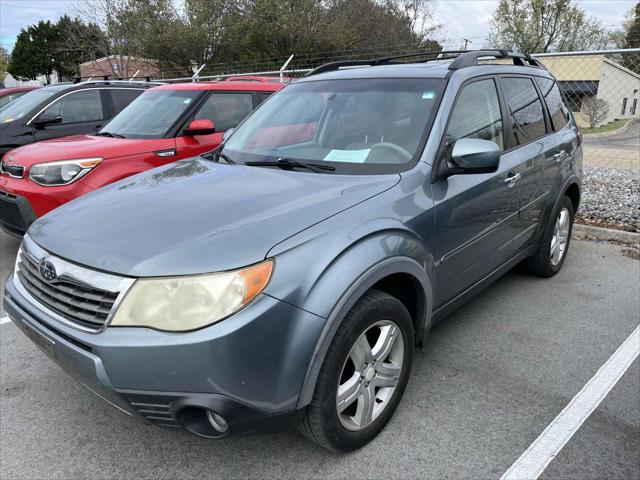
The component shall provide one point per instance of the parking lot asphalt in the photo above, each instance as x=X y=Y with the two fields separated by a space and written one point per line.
x=490 y=379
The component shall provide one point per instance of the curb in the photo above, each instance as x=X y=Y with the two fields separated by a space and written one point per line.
x=606 y=234
x=613 y=132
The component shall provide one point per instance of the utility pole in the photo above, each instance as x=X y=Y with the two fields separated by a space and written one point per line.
x=466 y=42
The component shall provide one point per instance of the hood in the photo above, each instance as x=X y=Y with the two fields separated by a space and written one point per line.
x=196 y=216
x=78 y=146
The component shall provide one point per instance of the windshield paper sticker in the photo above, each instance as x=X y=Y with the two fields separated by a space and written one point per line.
x=428 y=95
x=350 y=156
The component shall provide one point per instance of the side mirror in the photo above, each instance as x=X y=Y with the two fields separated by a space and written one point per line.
x=200 y=127
x=227 y=134
x=472 y=155
x=47 y=118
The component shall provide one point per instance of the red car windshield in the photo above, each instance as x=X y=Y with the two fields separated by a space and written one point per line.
x=151 y=115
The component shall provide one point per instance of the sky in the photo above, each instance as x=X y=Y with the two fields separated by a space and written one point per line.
x=460 y=18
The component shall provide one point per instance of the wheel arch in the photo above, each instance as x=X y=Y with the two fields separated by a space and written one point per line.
x=392 y=275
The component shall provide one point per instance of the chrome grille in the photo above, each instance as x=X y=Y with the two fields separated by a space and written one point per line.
x=75 y=301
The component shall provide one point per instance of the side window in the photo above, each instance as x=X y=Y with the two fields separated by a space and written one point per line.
x=557 y=109
x=477 y=114
x=226 y=110
x=525 y=109
x=122 y=97
x=82 y=106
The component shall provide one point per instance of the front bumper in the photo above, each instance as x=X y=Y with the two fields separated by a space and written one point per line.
x=248 y=368
x=16 y=214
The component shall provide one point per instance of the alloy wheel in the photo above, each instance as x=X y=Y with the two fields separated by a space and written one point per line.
x=370 y=375
x=560 y=237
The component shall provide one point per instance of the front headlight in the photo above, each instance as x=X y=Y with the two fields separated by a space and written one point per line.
x=185 y=303
x=63 y=172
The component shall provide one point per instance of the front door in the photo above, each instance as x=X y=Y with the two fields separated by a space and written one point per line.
x=82 y=111
x=226 y=110
x=476 y=215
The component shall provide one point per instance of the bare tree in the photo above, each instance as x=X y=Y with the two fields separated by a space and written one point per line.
x=596 y=110
x=538 y=26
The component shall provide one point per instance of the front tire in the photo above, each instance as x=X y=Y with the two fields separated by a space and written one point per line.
x=363 y=376
x=554 y=245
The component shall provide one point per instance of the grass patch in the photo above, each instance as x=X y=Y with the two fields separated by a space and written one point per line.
x=609 y=127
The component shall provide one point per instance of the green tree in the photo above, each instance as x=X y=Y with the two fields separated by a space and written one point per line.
x=538 y=26
x=34 y=52
x=632 y=40
x=78 y=42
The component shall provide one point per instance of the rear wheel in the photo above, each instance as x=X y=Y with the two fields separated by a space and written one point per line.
x=363 y=376
x=554 y=246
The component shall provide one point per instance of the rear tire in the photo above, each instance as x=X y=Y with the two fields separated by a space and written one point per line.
x=363 y=376
x=554 y=245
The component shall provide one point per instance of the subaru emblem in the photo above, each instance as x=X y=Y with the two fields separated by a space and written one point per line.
x=48 y=270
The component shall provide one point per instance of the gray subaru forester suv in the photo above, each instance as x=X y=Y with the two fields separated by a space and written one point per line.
x=287 y=277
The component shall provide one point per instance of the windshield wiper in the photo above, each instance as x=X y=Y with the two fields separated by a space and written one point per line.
x=216 y=156
x=289 y=164
x=109 y=134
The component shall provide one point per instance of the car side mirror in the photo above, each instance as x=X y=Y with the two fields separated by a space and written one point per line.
x=227 y=134
x=472 y=155
x=200 y=127
x=47 y=118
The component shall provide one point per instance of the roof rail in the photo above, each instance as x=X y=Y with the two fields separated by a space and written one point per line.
x=107 y=78
x=471 y=58
x=461 y=59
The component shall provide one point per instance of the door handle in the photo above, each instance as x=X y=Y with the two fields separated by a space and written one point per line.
x=512 y=179
x=558 y=157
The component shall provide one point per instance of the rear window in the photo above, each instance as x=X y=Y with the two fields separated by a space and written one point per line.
x=557 y=109
x=122 y=97
x=525 y=109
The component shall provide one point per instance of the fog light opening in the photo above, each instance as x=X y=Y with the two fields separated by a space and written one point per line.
x=217 y=422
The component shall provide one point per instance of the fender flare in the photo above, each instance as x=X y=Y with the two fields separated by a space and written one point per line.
x=363 y=283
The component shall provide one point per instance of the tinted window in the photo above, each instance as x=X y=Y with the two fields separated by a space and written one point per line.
x=82 y=106
x=477 y=114
x=527 y=119
x=122 y=97
x=225 y=110
x=557 y=109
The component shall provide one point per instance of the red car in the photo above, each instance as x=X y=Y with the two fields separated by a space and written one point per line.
x=165 y=124
x=8 y=95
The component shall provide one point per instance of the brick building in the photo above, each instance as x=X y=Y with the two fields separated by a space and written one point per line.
x=120 y=66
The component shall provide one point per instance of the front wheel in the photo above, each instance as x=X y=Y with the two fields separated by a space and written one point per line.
x=554 y=246
x=363 y=376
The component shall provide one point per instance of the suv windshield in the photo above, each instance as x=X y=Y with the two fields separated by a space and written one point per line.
x=24 y=104
x=152 y=114
x=356 y=126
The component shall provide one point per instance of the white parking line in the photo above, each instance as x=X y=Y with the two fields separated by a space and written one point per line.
x=4 y=320
x=538 y=456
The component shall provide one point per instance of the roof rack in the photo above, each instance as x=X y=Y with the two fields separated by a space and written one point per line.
x=461 y=59
x=108 y=78
x=471 y=58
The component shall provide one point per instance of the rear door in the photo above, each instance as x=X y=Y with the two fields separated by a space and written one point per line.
x=226 y=110
x=529 y=141
x=562 y=144
x=476 y=215
x=82 y=111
